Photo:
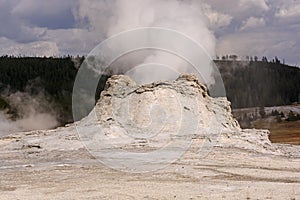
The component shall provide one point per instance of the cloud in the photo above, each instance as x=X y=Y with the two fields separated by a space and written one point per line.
x=253 y=22
x=261 y=43
x=29 y=27
x=239 y=9
x=290 y=12
x=11 y=27
x=38 y=48
x=250 y=4
x=49 y=8
x=74 y=41
x=262 y=28
x=52 y=14
x=216 y=19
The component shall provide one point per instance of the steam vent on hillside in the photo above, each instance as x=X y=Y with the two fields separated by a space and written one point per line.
x=164 y=140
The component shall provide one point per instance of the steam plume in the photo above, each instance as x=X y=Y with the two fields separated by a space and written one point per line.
x=33 y=113
x=188 y=17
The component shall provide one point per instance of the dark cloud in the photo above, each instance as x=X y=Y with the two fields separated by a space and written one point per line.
x=63 y=21
x=54 y=14
x=10 y=26
x=28 y=20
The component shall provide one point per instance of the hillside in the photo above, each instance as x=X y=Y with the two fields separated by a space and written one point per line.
x=252 y=84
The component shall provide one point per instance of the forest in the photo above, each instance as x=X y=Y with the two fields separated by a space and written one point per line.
x=260 y=83
x=54 y=77
x=248 y=83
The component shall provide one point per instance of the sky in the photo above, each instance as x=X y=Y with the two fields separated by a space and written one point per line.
x=55 y=27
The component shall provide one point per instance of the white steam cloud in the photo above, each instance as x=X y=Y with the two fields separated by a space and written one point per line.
x=186 y=16
x=33 y=113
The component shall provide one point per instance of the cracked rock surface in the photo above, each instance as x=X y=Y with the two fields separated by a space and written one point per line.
x=222 y=161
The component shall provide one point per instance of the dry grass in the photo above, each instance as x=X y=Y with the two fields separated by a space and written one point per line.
x=280 y=132
x=283 y=132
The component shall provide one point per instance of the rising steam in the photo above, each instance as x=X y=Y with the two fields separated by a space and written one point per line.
x=32 y=113
x=188 y=17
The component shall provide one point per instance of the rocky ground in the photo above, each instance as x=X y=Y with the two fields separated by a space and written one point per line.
x=79 y=161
